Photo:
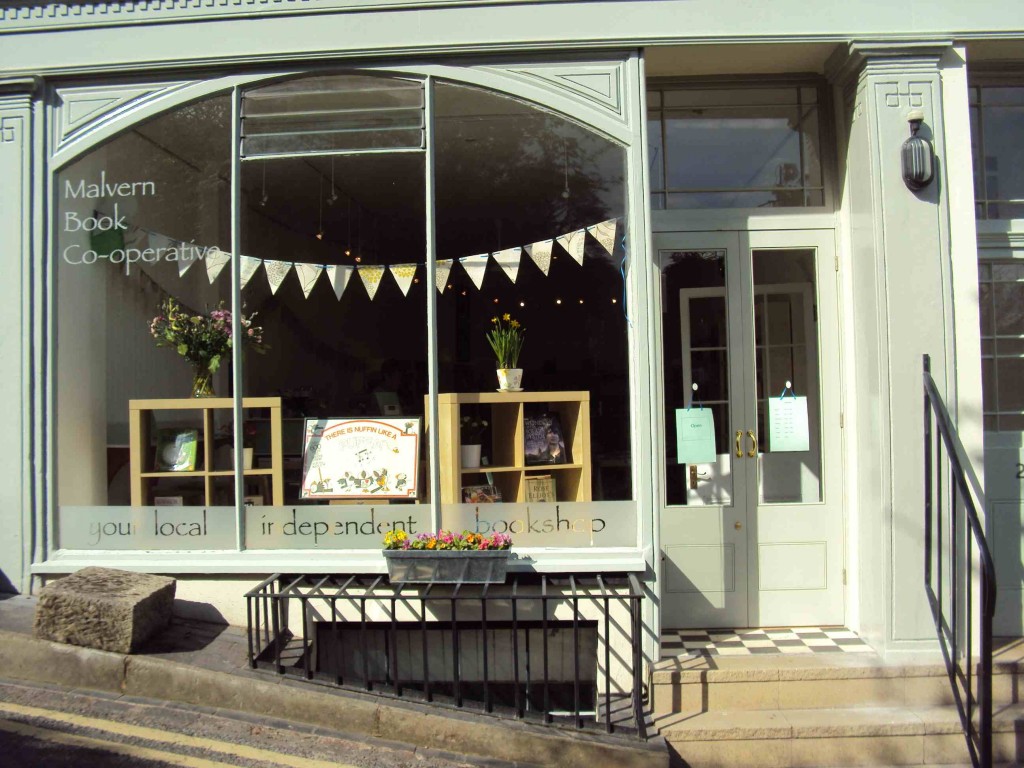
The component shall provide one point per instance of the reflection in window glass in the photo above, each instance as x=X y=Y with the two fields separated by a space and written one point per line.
x=510 y=179
x=737 y=148
x=696 y=351
x=141 y=219
x=786 y=349
x=997 y=121
x=1001 y=293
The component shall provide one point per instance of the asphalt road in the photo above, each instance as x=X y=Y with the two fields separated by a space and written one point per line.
x=51 y=727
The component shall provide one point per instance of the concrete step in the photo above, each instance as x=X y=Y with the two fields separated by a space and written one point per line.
x=708 y=684
x=806 y=738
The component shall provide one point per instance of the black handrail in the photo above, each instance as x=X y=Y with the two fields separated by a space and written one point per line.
x=963 y=579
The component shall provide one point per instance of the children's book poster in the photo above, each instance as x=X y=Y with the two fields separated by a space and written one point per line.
x=360 y=459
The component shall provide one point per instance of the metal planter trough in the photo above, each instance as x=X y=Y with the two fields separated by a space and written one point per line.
x=425 y=566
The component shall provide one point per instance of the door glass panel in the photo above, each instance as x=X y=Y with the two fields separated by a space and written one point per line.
x=696 y=350
x=786 y=351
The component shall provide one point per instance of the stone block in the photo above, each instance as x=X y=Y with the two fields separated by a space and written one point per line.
x=104 y=608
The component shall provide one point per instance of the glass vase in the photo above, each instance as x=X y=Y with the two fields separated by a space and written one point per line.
x=202 y=381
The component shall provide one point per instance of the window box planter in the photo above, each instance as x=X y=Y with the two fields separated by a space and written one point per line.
x=424 y=566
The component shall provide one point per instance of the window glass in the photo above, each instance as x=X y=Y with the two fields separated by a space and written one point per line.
x=996 y=125
x=517 y=190
x=334 y=276
x=143 y=220
x=738 y=148
x=1001 y=296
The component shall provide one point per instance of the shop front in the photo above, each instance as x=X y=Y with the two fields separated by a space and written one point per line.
x=701 y=258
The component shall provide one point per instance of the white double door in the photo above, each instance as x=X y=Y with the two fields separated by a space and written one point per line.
x=755 y=536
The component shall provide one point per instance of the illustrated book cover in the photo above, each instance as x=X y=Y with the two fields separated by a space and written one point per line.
x=544 y=441
x=480 y=494
x=176 y=450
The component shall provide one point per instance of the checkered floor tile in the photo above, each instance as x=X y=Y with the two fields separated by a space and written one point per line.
x=748 y=642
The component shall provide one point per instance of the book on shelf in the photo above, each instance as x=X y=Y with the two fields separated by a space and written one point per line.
x=480 y=494
x=544 y=441
x=176 y=450
x=168 y=501
x=540 y=489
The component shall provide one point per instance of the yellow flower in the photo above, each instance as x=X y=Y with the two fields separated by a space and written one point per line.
x=515 y=323
x=494 y=319
x=506 y=316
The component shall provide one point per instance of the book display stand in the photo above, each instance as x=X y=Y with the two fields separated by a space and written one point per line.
x=508 y=469
x=204 y=474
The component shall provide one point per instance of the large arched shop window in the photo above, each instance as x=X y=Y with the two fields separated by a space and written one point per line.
x=537 y=204
x=333 y=263
x=139 y=219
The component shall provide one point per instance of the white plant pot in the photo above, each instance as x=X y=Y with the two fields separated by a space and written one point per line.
x=246 y=458
x=510 y=379
x=471 y=455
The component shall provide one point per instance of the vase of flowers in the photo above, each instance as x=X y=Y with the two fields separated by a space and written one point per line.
x=202 y=339
x=446 y=557
x=472 y=429
x=506 y=340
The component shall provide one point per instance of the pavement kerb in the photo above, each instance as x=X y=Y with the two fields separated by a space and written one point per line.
x=26 y=658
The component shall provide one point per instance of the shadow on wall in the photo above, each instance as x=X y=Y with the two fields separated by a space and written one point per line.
x=194 y=611
x=6 y=586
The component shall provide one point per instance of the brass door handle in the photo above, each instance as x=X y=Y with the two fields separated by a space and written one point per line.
x=737 y=525
x=753 y=442
x=739 y=448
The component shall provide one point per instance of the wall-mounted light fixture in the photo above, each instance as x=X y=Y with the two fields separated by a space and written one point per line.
x=917 y=156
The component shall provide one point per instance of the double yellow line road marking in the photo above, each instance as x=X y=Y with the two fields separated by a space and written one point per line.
x=8 y=710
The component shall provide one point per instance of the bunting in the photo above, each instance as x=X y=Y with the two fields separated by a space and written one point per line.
x=339 y=277
x=216 y=260
x=541 y=254
x=248 y=268
x=508 y=260
x=276 y=271
x=441 y=271
x=371 y=276
x=475 y=267
x=604 y=233
x=574 y=243
x=403 y=274
x=308 y=275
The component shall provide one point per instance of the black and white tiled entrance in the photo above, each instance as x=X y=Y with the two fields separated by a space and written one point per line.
x=749 y=642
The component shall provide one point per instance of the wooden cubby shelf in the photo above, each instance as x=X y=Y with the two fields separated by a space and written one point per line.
x=508 y=467
x=140 y=418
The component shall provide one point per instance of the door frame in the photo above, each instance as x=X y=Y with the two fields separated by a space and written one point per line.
x=832 y=440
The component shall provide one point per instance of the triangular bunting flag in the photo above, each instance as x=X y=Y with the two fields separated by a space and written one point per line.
x=339 y=278
x=574 y=242
x=188 y=255
x=403 y=273
x=308 y=274
x=508 y=260
x=371 y=279
x=441 y=271
x=248 y=268
x=540 y=252
x=604 y=233
x=475 y=267
x=277 y=271
x=216 y=260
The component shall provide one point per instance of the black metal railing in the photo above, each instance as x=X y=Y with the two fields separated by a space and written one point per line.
x=954 y=537
x=562 y=650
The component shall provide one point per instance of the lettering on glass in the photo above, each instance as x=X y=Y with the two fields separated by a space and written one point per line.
x=156 y=528
x=695 y=436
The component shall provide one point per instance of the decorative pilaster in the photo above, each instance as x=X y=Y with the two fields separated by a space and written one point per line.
x=901 y=285
x=17 y=227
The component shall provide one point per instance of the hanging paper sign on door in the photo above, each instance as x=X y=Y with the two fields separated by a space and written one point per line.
x=695 y=436
x=787 y=424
